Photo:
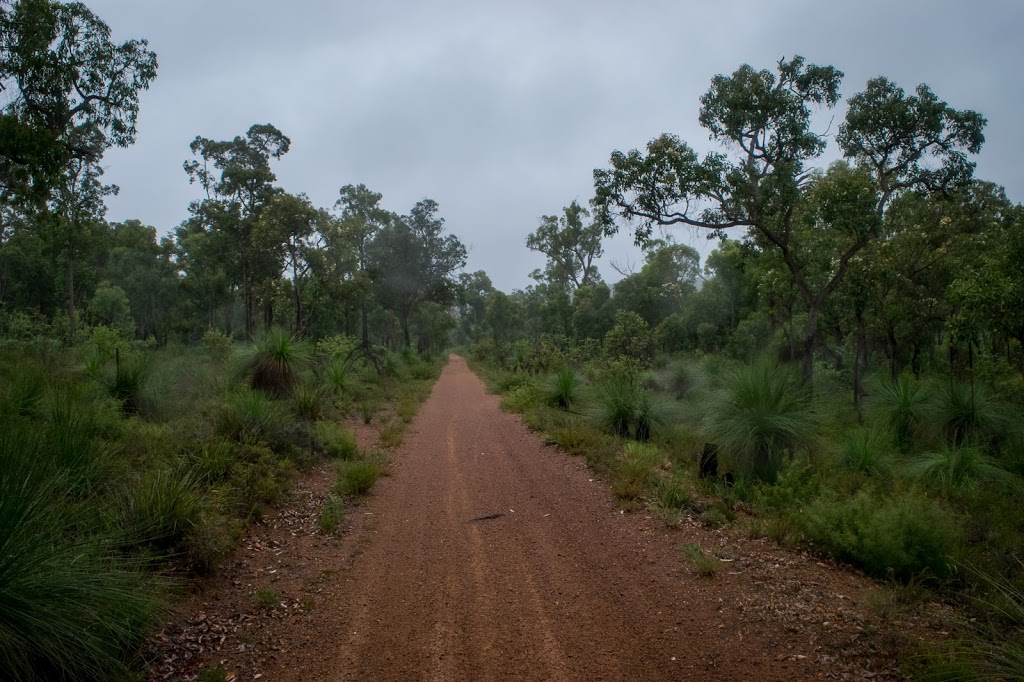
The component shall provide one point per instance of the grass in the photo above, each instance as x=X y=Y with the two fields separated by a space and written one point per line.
x=337 y=441
x=704 y=565
x=249 y=416
x=636 y=471
x=161 y=508
x=956 y=468
x=273 y=359
x=761 y=414
x=867 y=450
x=563 y=389
x=905 y=405
x=332 y=515
x=356 y=477
x=265 y=597
x=626 y=410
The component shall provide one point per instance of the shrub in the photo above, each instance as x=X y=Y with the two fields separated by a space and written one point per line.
x=520 y=398
x=672 y=492
x=635 y=472
x=562 y=389
x=307 y=402
x=905 y=405
x=338 y=378
x=629 y=340
x=249 y=416
x=356 y=477
x=71 y=610
x=683 y=380
x=703 y=563
x=337 y=441
x=901 y=536
x=867 y=450
x=626 y=410
x=212 y=461
x=161 y=508
x=762 y=413
x=968 y=414
x=956 y=468
x=332 y=514
x=217 y=345
x=273 y=359
x=126 y=385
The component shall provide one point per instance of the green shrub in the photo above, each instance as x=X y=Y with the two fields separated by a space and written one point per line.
x=867 y=450
x=762 y=413
x=683 y=380
x=672 y=492
x=956 y=468
x=332 y=514
x=630 y=340
x=356 y=477
x=636 y=471
x=161 y=508
x=705 y=565
x=625 y=410
x=968 y=414
x=337 y=441
x=562 y=389
x=217 y=345
x=249 y=416
x=520 y=398
x=272 y=361
x=307 y=402
x=339 y=378
x=906 y=406
x=901 y=536
x=71 y=609
x=212 y=461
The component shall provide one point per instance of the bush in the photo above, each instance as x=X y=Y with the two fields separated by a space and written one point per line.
x=867 y=450
x=968 y=414
x=635 y=472
x=332 y=514
x=902 y=536
x=337 y=441
x=217 y=345
x=71 y=609
x=562 y=389
x=249 y=416
x=307 y=402
x=954 y=469
x=356 y=477
x=625 y=410
x=630 y=340
x=339 y=378
x=905 y=406
x=762 y=413
x=126 y=385
x=273 y=359
x=160 y=509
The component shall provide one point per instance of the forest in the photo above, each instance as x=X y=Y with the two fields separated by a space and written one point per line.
x=843 y=374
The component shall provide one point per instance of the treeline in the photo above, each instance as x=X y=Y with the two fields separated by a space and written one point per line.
x=893 y=258
x=250 y=255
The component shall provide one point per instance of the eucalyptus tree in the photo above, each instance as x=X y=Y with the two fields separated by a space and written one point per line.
x=764 y=183
x=238 y=181
x=69 y=93
x=360 y=218
x=571 y=245
x=292 y=227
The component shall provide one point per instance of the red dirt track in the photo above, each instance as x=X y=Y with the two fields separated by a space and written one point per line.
x=562 y=586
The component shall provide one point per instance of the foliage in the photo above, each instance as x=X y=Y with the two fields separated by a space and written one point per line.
x=705 y=565
x=867 y=450
x=357 y=476
x=562 y=389
x=624 y=409
x=273 y=360
x=901 y=536
x=954 y=468
x=761 y=414
x=337 y=441
x=905 y=405
x=635 y=471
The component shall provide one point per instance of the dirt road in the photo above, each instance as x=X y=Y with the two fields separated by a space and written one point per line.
x=550 y=582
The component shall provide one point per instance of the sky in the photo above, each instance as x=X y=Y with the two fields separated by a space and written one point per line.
x=500 y=111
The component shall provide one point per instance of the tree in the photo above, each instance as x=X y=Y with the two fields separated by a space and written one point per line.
x=238 y=181
x=291 y=225
x=71 y=93
x=570 y=245
x=764 y=118
x=413 y=262
x=77 y=204
x=361 y=218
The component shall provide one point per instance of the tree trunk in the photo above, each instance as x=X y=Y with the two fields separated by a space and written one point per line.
x=71 y=294
x=810 y=341
x=860 y=359
x=405 y=328
x=365 y=320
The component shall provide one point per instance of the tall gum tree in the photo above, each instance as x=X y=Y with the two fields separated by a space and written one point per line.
x=763 y=181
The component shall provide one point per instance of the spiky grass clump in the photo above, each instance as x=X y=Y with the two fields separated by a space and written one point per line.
x=337 y=441
x=307 y=402
x=332 y=515
x=636 y=471
x=339 y=378
x=562 y=389
x=906 y=406
x=71 y=609
x=762 y=413
x=968 y=414
x=683 y=380
x=356 y=477
x=161 y=509
x=249 y=416
x=128 y=382
x=955 y=469
x=273 y=360
x=626 y=410
x=867 y=450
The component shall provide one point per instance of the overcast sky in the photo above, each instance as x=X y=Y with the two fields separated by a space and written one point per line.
x=500 y=111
